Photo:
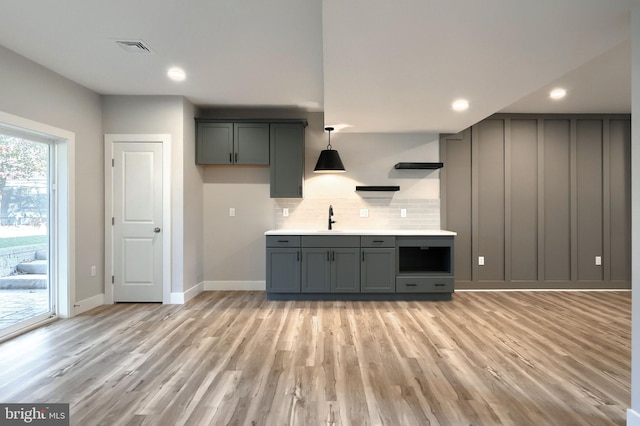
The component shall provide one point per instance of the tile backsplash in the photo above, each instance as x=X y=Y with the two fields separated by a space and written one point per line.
x=383 y=213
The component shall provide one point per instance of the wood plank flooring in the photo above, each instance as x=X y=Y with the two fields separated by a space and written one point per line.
x=234 y=358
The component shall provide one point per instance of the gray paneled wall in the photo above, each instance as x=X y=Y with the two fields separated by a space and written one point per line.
x=539 y=197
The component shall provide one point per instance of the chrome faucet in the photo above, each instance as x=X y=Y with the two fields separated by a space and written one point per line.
x=331 y=214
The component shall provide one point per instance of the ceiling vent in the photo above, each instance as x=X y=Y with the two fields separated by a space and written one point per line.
x=133 y=46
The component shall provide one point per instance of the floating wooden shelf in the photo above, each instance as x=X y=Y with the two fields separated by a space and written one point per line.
x=377 y=188
x=427 y=166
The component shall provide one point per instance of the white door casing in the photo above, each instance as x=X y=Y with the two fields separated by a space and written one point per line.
x=137 y=231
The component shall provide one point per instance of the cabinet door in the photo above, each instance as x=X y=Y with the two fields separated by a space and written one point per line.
x=345 y=270
x=378 y=270
x=283 y=270
x=287 y=160
x=316 y=270
x=251 y=144
x=214 y=143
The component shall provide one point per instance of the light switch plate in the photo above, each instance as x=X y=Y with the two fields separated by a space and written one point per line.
x=403 y=212
x=232 y=211
x=598 y=260
x=93 y=271
x=364 y=212
x=481 y=260
x=285 y=212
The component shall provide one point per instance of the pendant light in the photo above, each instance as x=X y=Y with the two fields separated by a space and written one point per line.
x=329 y=160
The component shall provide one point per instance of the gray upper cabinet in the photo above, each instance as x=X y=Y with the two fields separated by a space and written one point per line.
x=287 y=160
x=243 y=143
x=214 y=143
x=278 y=143
x=251 y=144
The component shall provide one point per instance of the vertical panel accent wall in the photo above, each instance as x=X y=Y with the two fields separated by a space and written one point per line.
x=539 y=197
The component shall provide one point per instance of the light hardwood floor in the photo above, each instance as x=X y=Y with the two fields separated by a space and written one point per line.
x=513 y=358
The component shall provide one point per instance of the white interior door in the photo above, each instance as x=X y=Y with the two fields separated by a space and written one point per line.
x=137 y=222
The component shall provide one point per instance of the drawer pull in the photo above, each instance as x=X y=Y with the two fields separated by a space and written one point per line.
x=378 y=241
x=440 y=285
x=411 y=285
x=283 y=241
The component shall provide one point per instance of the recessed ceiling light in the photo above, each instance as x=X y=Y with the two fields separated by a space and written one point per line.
x=460 y=105
x=176 y=74
x=557 y=93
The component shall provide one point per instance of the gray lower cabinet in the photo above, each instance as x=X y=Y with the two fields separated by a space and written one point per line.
x=378 y=264
x=378 y=270
x=330 y=269
x=353 y=267
x=232 y=143
x=287 y=160
x=283 y=264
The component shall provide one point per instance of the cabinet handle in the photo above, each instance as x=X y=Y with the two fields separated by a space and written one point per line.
x=440 y=285
x=298 y=255
x=236 y=157
x=378 y=241
x=411 y=285
x=230 y=158
x=333 y=256
x=328 y=259
x=363 y=256
x=283 y=241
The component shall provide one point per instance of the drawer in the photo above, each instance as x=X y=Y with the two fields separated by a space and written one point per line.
x=283 y=240
x=424 y=284
x=424 y=241
x=331 y=241
x=378 y=241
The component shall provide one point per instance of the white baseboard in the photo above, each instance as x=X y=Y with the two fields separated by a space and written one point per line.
x=85 y=305
x=235 y=285
x=181 y=298
x=633 y=418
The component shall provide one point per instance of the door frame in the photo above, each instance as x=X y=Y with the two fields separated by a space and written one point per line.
x=109 y=141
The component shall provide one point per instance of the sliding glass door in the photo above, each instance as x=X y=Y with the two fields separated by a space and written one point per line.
x=27 y=291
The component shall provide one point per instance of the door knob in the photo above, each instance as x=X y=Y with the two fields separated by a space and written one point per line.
x=156 y=230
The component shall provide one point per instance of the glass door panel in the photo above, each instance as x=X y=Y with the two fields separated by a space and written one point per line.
x=26 y=292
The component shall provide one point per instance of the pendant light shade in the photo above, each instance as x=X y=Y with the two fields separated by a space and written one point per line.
x=329 y=160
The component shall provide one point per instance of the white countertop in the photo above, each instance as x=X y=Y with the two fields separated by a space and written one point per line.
x=403 y=232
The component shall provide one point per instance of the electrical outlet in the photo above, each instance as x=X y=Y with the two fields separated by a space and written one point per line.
x=403 y=212
x=232 y=211
x=364 y=212
x=285 y=212
x=598 y=260
x=93 y=271
x=481 y=260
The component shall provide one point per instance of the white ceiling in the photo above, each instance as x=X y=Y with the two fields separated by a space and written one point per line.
x=375 y=65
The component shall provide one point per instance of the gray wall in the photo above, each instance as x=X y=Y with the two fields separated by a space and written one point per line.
x=540 y=197
x=193 y=273
x=168 y=114
x=31 y=91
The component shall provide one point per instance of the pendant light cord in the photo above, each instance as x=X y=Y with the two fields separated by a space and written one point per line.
x=329 y=129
